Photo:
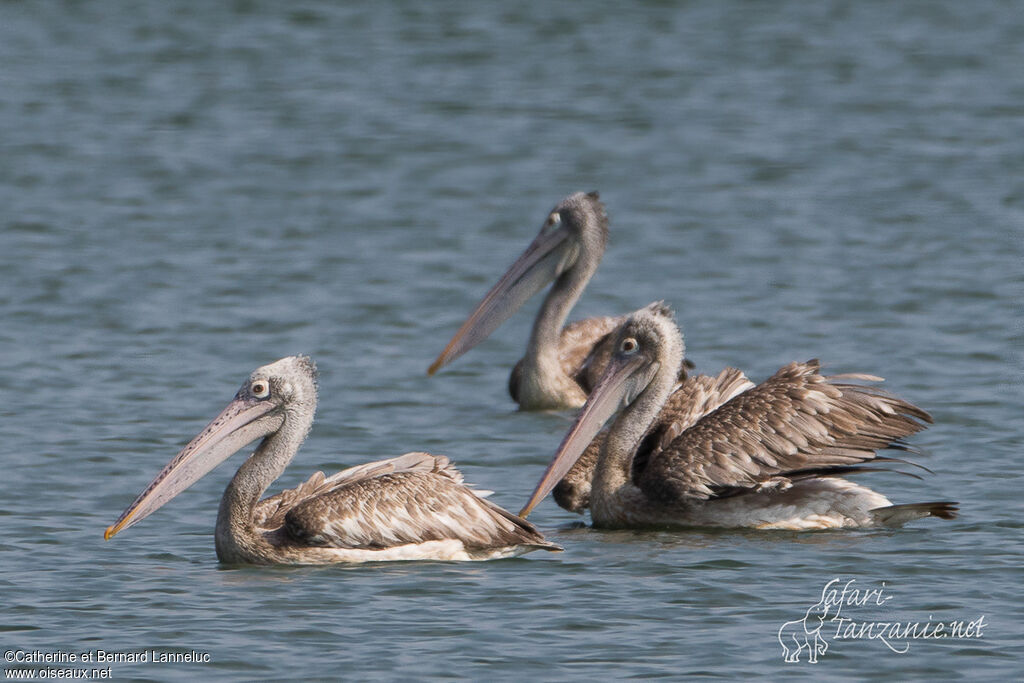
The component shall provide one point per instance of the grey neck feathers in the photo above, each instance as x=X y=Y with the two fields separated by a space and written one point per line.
x=542 y=352
x=268 y=462
x=615 y=465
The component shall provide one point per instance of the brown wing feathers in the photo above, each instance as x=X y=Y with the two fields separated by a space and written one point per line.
x=413 y=498
x=797 y=423
x=401 y=508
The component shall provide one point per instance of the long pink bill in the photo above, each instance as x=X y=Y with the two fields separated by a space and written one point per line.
x=237 y=425
x=541 y=263
x=615 y=387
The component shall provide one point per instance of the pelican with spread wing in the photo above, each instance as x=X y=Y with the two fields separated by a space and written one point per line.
x=768 y=456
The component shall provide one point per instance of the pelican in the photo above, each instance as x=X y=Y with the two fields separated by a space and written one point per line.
x=692 y=398
x=561 y=364
x=766 y=458
x=412 y=507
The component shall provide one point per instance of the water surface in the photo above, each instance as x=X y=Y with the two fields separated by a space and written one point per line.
x=191 y=190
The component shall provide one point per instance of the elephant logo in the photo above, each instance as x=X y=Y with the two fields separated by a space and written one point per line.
x=796 y=636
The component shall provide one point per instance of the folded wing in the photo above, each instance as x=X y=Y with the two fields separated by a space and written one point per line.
x=413 y=498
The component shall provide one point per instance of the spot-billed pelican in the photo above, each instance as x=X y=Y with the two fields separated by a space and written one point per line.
x=766 y=458
x=411 y=507
x=561 y=365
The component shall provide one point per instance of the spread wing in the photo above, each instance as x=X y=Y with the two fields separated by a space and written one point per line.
x=693 y=398
x=414 y=498
x=798 y=423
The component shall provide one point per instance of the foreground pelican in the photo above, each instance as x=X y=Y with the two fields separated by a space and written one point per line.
x=766 y=458
x=412 y=507
x=560 y=365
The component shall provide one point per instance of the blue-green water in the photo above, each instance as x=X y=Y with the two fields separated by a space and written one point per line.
x=189 y=190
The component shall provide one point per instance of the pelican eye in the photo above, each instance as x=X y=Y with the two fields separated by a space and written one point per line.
x=260 y=388
x=553 y=221
x=629 y=345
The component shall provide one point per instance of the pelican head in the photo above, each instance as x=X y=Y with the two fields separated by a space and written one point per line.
x=568 y=248
x=278 y=396
x=646 y=342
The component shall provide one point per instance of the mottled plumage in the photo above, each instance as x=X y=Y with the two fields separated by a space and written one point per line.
x=414 y=506
x=269 y=512
x=796 y=421
x=382 y=509
x=693 y=398
x=722 y=452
